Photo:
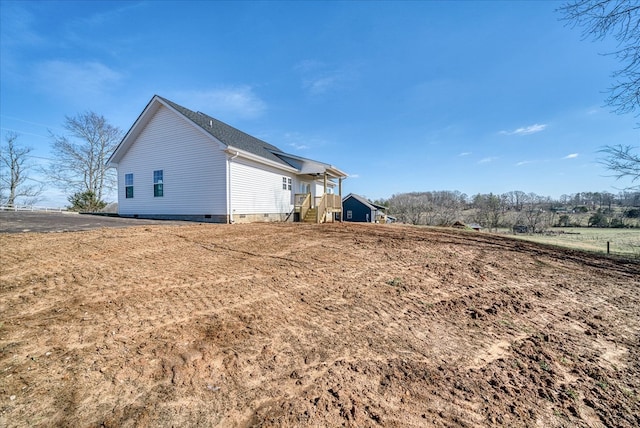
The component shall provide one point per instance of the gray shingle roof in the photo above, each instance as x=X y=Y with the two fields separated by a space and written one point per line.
x=365 y=202
x=229 y=135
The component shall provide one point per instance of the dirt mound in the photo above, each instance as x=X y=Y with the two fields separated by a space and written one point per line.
x=313 y=325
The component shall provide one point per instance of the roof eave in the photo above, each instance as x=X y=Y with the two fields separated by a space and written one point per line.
x=234 y=151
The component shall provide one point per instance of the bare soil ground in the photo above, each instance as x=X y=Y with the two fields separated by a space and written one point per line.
x=313 y=325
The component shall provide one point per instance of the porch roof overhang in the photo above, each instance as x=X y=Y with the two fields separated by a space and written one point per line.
x=311 y=167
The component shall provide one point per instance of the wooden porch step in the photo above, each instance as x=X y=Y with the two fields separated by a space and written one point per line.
x=310 y=216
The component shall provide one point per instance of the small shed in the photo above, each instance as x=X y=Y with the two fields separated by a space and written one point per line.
x=358 y=209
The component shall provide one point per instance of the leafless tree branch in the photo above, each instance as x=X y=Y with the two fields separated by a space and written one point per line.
x=81 y=156
x=14 y=170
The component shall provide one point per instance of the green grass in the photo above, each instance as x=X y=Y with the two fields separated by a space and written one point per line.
x=623 y=242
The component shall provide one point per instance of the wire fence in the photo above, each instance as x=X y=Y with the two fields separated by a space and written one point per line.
x=38 y=208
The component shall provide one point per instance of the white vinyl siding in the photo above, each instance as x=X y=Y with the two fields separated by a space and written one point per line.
x=319 y=190
x=258 y=189
x=193 y=164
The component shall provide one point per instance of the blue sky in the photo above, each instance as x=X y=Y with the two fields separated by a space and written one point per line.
x=404 y=96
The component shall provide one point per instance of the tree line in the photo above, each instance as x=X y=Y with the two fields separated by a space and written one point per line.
x=517 y=210
x=79 y=168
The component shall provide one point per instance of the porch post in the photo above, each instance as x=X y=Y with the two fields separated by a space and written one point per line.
x=340 y=195
x=325 y=182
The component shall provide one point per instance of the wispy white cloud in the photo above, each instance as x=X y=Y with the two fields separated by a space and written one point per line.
x=296 y=141
x=354 y=175
x=225 y=102
x=107 y=16
x=17 y=27
x=465 y=154
x=298 y=146
x=319 y=78
x=571 y=156
x=76 y=79
x=321 y=84
x=524 y=162
x=487 y=159
x=526 y=130
x=300 y=141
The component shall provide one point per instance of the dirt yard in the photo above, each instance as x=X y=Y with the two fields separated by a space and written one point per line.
x=306 y=325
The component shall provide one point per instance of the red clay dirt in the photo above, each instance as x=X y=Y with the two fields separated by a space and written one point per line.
x=313 y=325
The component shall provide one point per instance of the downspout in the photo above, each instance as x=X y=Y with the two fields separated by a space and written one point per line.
x=229 y=185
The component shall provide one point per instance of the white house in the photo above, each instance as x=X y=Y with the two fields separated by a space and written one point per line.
x=175 y=163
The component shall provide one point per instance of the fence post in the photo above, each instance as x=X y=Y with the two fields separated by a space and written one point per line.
x=607 y=247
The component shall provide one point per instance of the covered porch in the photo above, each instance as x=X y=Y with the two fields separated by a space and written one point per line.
x=316 y=200
x=320 y=204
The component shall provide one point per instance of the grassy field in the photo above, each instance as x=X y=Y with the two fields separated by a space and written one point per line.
x=625 y=242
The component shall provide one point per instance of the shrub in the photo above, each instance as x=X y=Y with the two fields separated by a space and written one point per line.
x=632 y=213
x=598 y=220
x=85 y=201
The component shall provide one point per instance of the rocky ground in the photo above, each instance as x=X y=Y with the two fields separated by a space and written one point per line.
x=313 y=325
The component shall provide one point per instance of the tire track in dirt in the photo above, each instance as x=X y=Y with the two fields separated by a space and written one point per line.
x=345 y=325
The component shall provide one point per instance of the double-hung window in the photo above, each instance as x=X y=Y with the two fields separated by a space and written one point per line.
x=128 y=185
x=286 y=183
x=158 y=189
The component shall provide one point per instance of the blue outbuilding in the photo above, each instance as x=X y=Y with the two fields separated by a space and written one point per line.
x=357 y=208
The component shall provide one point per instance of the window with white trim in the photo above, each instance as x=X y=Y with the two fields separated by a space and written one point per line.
x=128 y=186
x=158 y=184
x=286 y=183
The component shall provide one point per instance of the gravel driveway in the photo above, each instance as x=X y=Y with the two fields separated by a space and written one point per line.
x=27 y=221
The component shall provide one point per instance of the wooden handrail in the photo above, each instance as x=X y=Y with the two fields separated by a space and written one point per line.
x=321 y=209
x=299 y=199
x=304 y=204
x=327 y=203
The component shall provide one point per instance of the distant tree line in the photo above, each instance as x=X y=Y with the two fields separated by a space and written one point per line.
x=517 y=210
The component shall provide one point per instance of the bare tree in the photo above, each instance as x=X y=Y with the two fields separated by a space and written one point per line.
x=399 y=206
x=534 y=215
x=437 y=208
x=14 y=170
x=80 y=164
x=515 y=199
x=620 y=19
x=418 y=207
x=623 y=161
x=489 y=210
x=449 y=206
